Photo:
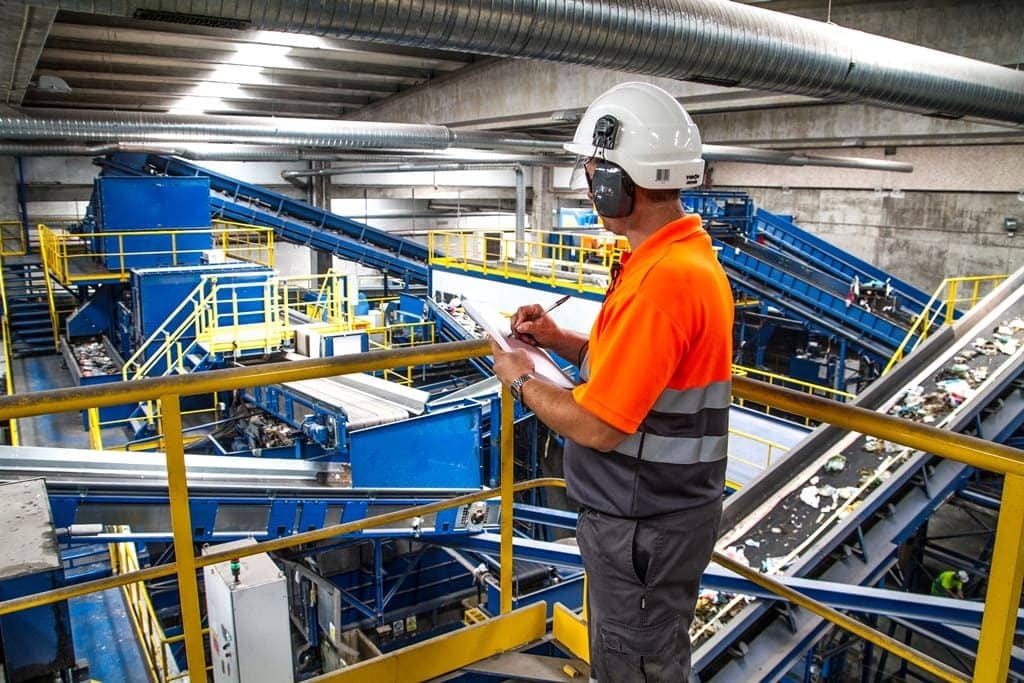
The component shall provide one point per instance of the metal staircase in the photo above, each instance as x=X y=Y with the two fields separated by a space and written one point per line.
x=27 y=306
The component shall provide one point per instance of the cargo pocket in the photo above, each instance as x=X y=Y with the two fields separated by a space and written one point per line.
x=646 y=654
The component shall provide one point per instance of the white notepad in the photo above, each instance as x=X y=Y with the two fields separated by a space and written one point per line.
x=492 y=324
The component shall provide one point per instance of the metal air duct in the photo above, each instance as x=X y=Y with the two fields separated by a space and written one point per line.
x=710 y=41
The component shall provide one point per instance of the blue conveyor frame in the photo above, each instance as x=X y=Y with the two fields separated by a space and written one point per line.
x=814 y=306
x=830 y=259
x=291 y=219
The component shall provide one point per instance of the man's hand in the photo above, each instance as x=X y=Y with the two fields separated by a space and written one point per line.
x=510 y=364
x=533 y=326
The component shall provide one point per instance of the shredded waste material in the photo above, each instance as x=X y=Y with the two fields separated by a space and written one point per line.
x=845 y=481
x=93 y=359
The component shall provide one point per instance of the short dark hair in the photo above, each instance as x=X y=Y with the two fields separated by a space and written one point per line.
x=661 y=195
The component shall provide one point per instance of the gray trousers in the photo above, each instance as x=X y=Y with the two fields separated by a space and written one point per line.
x=643 y=576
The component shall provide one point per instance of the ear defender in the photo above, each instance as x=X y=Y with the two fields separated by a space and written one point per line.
x=612 y=190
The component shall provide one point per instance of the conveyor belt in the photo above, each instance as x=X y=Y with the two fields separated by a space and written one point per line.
x=769 y=520
x=230 y=497
x=361 y=409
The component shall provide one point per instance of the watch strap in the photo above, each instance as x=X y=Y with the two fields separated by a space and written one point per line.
x=516 y=387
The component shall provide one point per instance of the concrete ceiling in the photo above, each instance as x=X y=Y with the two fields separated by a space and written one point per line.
x=140 y=65
x=155 y=64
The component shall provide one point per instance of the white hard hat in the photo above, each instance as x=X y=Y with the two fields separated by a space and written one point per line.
x=962 y=575
x=654 y=140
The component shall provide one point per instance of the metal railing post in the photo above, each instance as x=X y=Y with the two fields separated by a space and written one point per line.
x=181 y=524
x=507 y=495
x=1004 y=586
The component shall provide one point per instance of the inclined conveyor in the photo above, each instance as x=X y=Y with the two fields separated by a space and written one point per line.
x=816 y=252
x=774 y=527
x=818 y=300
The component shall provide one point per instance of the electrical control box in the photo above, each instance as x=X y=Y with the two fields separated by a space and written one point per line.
x=248 y=618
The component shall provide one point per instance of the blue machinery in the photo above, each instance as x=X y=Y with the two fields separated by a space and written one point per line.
x=293 y=220
x=303 y=498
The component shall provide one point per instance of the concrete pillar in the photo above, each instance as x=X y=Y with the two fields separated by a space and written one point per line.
x=9 y=189
x=320 y=197
x=542 y=214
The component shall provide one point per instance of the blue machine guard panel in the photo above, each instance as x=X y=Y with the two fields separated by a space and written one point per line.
x=437 y=450
x=153 y=203
x=157 y=292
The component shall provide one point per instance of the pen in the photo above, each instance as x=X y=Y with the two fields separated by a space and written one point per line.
x=556 y=304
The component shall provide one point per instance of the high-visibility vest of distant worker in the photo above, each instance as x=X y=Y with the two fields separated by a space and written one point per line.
x=950 y=584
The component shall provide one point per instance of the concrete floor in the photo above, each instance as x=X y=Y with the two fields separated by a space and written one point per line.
x=37 y=373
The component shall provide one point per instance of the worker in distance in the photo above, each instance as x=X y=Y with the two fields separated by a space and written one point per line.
x=646 y=429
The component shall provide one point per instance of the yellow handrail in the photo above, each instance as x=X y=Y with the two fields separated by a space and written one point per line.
x=925 y=322
x=1004 y=581
x=156 y=644
x=545 y=258
x=8 y=368
x=767 y=443
x=12 y=238
x=782 y=380
x=70 y=257
x=144 y=358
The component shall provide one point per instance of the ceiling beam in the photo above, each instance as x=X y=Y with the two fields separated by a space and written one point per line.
x=77 y=60
x=23 y=30
x=259 y=58
x=211 y=106
x=299 y=46
x=187 y=76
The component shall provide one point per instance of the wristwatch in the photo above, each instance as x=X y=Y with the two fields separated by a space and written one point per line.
x=517 y=385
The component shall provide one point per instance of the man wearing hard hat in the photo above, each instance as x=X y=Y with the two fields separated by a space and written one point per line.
x=646 y=430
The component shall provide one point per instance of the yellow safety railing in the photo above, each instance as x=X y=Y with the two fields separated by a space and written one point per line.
x=7 y=351
x=789 y=383
x=9 y=369
x=156 y=645
x=771 y=449
x=319 y=298
x=942 y=307
x=153 y=418
x=92 y=257
x=548 y=260
x=1005 y=577
x=397 y=336
x=244 y=241
x=215 y=318
x=13 y=241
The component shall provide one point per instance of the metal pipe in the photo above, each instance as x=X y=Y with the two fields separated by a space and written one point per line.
x=517 y=247
x=713 y=41
x=229 y=152
x=413 y=167
x=168 y=131
x=784 y=158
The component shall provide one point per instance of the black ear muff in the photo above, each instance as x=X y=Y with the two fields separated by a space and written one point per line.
x=612 y=190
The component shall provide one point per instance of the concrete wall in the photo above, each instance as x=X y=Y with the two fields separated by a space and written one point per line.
x=948 y=222
x=921 y=237
x=8 y=189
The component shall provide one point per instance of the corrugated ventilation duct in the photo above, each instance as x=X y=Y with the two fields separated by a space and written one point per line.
x=712 y=41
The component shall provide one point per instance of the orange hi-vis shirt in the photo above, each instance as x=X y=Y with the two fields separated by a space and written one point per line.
x=658 y=367
x=665 y=323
